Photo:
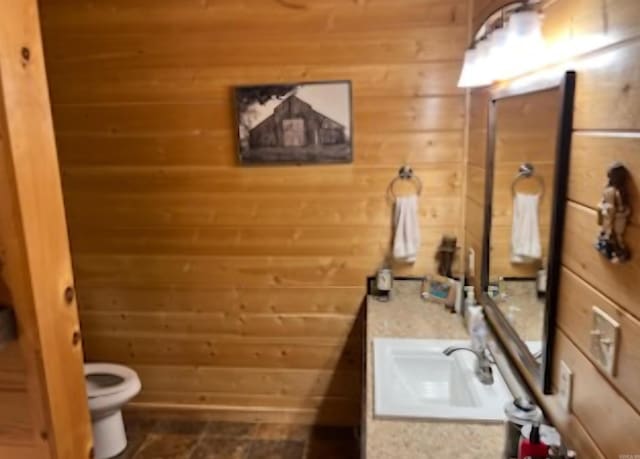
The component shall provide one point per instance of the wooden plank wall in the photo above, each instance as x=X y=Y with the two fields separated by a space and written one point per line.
x=605 y=411
x=229 y=287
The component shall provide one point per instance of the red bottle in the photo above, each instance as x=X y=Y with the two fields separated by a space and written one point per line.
x=533 y=447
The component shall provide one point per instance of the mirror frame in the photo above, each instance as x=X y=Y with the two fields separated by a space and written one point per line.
x=515 y=346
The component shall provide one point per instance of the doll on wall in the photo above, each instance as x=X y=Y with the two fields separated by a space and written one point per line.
x=613 y=215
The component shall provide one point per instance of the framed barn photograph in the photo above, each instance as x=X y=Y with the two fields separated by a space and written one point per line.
x=295 y=123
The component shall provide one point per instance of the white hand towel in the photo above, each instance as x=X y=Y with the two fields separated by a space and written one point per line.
x=406 y=238
x=525 y=229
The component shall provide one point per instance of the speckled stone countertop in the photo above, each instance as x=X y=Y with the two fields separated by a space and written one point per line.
x=408 y=316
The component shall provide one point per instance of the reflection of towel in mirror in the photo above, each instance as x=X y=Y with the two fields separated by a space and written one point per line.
x=525 y=230
x=406 y=238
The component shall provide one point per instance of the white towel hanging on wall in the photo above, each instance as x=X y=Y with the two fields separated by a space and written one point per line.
x=406 y=237
x=525 y=229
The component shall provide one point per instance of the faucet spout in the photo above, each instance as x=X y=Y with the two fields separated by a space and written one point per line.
x=483 y=369
x=451 y=349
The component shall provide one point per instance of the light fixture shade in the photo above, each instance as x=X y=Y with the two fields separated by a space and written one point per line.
x=483 y=71
x=499 y=54
x=525 y=43
x=474 y=71
x=468 y=68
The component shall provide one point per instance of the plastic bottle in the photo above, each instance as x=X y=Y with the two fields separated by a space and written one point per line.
x=477 y=329
x=469 y=296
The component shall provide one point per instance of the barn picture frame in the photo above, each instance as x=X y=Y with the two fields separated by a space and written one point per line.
x=295 y=123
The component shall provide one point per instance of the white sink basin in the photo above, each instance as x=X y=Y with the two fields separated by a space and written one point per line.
x=414 y=379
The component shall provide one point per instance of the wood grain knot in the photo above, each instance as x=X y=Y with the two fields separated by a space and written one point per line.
x=69 y=294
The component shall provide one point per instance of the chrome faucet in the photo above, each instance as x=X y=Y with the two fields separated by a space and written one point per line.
x=483 y=370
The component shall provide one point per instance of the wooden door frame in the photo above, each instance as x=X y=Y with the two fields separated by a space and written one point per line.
x=36 y=261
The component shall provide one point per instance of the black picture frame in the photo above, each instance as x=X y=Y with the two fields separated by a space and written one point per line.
x=318 y=138
x=512 y=342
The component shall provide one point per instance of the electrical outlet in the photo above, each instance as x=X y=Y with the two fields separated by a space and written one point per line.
x=604 y=340
x=565 y=387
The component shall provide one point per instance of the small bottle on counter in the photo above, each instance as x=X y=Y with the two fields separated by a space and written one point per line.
x=477 y=327
x=541 y=282
x=469 y=301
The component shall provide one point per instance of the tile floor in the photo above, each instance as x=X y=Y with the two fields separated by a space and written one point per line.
x=185 y=439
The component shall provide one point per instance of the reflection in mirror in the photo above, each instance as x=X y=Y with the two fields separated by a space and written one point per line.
x=523 y=173
x=528 y=145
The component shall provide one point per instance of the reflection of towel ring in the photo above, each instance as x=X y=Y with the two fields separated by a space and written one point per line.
x=526 y=171
x=405 y=173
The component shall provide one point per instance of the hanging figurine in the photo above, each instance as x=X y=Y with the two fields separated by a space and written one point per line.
x=446 y=254
x=613 y=215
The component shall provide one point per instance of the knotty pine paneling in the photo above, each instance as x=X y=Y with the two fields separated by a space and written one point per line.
x=195 y=84
x=594 y=400
x=17 y=426
x=221 y=324
x=238 y=352
x=591 y=156
x=227 y=380
x=577 y=298
x=211 y=149
x=577 y=20
x=245 y=209
x=111 y=51
x=611 y=84
x=321 y=180
x=606 y=129
x=300 y=16
x=229 y=271
x=190 y=265
x=618 y=282
x=244 y=241
x=381 y=114
x=271 y=300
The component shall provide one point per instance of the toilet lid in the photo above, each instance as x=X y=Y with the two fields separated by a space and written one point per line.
x=104 y=379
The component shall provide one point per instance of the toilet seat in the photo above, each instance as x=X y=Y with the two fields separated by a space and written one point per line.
x=126 y=378
x=124 y=385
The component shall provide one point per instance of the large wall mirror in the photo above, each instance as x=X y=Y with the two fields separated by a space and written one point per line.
x=529 y=139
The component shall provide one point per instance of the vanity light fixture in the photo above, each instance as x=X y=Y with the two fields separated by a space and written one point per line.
x=510 y=43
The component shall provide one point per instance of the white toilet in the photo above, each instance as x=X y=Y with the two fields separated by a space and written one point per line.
x=109 y=387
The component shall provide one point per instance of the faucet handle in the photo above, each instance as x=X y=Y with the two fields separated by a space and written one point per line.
x=484 y=372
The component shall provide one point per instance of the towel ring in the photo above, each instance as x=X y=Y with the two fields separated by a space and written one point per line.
x=527 y=171
x=404 y=173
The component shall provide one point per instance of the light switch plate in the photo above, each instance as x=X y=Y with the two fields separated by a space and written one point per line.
x=565 y=387
x=605 y=339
